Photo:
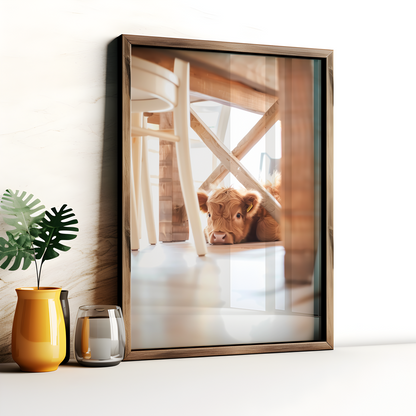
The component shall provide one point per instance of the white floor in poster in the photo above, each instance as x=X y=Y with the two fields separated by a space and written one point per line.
x=236 y=294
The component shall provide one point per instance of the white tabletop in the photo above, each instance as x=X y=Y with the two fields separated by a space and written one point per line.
x=376 y=380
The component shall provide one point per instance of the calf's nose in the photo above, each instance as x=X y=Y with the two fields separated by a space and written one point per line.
x=219 y=238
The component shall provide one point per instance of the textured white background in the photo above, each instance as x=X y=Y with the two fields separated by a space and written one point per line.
x=56 y=109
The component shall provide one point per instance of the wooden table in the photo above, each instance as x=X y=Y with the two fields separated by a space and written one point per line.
x=278 y=89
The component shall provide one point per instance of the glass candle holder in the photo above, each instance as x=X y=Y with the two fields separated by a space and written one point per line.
x=100 y=336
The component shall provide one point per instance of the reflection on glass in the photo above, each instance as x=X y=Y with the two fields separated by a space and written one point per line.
x=266 y=111
x=248 y=280
x=99 y=335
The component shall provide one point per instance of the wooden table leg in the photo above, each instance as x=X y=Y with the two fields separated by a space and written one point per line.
x=173 y=219
x=298 y=181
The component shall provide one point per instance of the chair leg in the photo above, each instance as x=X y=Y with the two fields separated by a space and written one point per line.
x=147 y=194
x=139 y=208
x=136 y=158
x=182 y=125
x=134 y=229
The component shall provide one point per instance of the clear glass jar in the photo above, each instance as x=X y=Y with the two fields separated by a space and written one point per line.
x=100 y=336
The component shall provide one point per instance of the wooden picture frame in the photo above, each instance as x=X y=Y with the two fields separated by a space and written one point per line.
x=291 y=56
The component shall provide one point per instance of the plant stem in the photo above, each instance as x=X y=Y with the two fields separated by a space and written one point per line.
x=37 y=273
x=51 y=234
x=40 y=269
x=36 y=266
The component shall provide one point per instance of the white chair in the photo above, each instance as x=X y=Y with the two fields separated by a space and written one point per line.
x=156 y=89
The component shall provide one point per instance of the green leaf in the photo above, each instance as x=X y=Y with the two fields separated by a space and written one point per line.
x=55 y=228
x=21 y=213
x=16 y=249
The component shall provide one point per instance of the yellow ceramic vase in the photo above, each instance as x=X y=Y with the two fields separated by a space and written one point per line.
x=38 y=336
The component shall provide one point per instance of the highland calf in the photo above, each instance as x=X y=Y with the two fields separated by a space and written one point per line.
x=236 y=216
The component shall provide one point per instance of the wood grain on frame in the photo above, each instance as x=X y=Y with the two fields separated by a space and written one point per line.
x=326 y=56
x=329 y=202
x=227 y=350
x=209 y=45
x=125 y=188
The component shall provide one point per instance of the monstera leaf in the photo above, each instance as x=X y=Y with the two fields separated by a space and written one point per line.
x=21 y=213
x=55 y=228
x=16 y=249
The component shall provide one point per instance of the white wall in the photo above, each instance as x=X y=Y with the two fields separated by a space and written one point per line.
x=53 y=75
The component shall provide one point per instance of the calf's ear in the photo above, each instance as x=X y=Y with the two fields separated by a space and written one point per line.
x=252 y=200
x=202 y=200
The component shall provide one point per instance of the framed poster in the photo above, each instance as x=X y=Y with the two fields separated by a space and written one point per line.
x=226 y=236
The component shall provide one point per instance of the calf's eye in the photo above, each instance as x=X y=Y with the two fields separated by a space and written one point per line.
x=238 y=215
x=209 y=214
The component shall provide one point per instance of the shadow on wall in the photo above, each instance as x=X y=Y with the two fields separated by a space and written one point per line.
x=106 y=252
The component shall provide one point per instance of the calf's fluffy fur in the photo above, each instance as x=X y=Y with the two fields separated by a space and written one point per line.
x=236 y=216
